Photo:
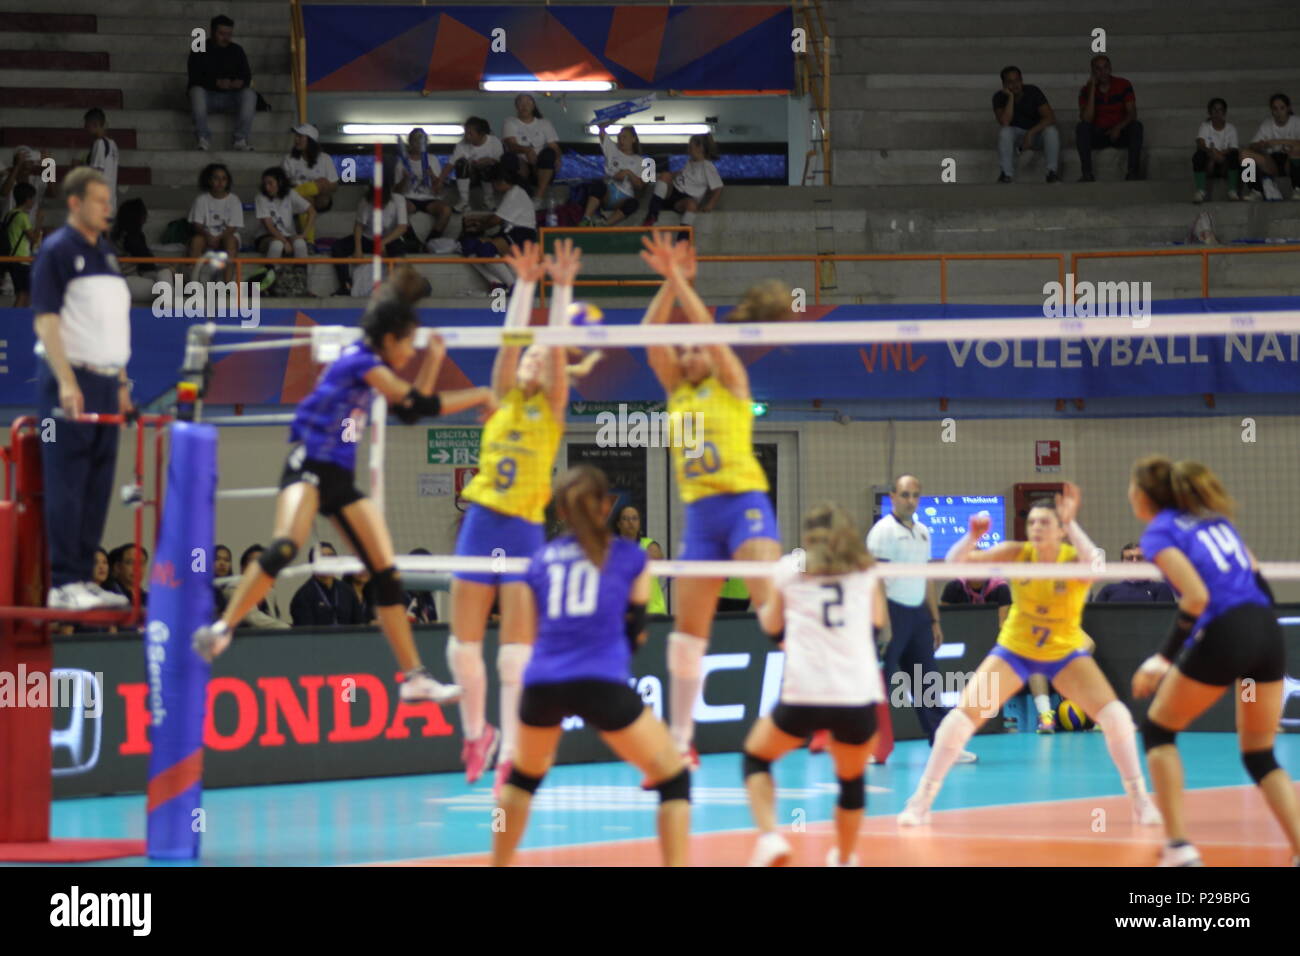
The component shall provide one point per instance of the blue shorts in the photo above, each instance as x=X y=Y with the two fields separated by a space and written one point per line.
x=1026 y=667
x=485 y=531
x=718 y=525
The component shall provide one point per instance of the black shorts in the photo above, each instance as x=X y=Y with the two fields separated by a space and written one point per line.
x=22 y=275
x=1243 y=642
x=336 y=485
x=605 y=705
x=851 y=725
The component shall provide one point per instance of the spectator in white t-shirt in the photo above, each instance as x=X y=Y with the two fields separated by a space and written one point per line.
x=394 y=227
x=617 y=192
x=1276 y=149
x=103 y=155
x=217 y=216
x=311 y=172
x=1217 y=151
x=419 y=181
x=695 y=189
x=276 y=210
x=532 y=148
x=514 y=213
x=474 y=161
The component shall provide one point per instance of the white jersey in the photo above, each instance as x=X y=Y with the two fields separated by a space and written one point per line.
x=830 y=655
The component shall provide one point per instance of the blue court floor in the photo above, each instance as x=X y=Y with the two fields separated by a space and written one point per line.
x=439 y=815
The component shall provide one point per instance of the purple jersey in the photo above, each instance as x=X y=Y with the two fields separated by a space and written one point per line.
x=1217 y=552
x=580 y=612
x=341 y=394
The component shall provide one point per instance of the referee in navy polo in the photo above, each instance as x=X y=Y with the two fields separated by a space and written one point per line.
x=83 y=323
x=915 y=633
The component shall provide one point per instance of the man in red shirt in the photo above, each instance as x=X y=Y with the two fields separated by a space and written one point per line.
x=1107 y=117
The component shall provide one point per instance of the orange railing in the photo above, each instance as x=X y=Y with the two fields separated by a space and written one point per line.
x=1203 y=253
x=814 y=259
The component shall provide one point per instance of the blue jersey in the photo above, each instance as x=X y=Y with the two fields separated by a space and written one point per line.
x=330 y=420
x=1217 y=553
x=581 y=633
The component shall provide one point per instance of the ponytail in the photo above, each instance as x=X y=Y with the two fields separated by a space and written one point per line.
x=581 y=501
x=831 y=543
x=1186 y=486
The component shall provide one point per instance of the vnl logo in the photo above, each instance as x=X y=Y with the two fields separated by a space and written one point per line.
x=654 y=430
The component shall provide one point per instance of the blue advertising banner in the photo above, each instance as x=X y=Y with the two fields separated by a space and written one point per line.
x=180 y=601
x=353 y=48
x=965 y=367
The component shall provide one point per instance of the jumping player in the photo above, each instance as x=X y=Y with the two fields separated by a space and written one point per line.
x=1042 y=635
x=723 y=487
x=508 y=498
x=319 y=478
x=586 y=599
x=1225 y=633
x=823 y=613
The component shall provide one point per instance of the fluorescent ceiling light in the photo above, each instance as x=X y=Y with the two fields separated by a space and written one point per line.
x=401 y=129
x=546 y=86
x=657 y=129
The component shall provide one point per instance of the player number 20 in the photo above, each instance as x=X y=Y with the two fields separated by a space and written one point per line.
x=578 y=598
x=708 y=462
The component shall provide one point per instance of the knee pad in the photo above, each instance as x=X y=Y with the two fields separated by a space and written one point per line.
x=388 y=588
x=1259 y=763
x=853 y=793
x=955 y=730
x=512 y=660
x=465 y=658
x=686 y=655
x=676 y=788
x=275 y=558
x=752 y=765
x=524 y=782
x=1153 y=735
x=1115 y=718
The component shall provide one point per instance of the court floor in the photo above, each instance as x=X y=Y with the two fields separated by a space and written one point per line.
x=1029 y=801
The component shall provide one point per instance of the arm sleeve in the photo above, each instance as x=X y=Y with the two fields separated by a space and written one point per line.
x=875 y=542
x=712 y=177
x=331 y=171
x=47 y=285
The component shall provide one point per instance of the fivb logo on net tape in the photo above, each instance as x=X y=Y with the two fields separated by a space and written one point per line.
x=180 y=601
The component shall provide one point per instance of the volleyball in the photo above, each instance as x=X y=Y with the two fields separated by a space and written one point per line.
x=1071 y=716
x=584 y=313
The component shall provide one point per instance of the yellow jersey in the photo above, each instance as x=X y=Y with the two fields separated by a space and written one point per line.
x=717 y=430
x=1046 y=613
x=516 y=457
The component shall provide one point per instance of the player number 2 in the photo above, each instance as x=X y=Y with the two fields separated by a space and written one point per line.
x=505 y=474
x=578 y=599
x=1042 y=633
x=837 y=601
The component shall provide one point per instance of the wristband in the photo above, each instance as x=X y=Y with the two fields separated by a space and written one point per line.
x=1178 y=633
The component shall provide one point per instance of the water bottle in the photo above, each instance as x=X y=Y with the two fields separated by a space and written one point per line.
x=552 y=218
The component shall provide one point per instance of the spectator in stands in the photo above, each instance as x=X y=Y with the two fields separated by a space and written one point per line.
x=311 y=171
x=1276 y=150
x=216 y=216
x=514 y=213
x=532 y=148
x=267 y=613
x=82 y=309
x=103 y=155
x=361 y=242
x=222 y=562
x=1027 y=122
x=419 y=178
x=325 y=601
x=128 y=239
x=617 y=192
x=1108 y=118
x=277 y=210
x=98 y=577
x=221 y=80
x=995 y=591
x=360 y=584
x=1135 y=591
x=27 y=167
x=421 y=608
x=121 y=569
x=696 y=188
x=629 y=526
x=1216 y=151
x=474 y=161
x=19 y=237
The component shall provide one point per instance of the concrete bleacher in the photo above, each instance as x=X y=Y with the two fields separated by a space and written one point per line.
x=911 y=84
